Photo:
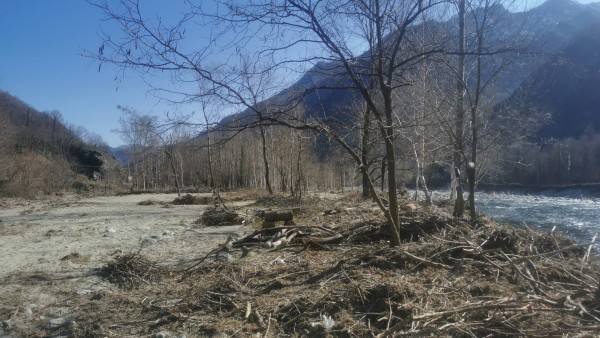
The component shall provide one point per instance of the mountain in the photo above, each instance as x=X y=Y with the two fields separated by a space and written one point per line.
x=547 y=31
x=558 y=75
x=567 y=87
x=121 y=154
x=39 y=153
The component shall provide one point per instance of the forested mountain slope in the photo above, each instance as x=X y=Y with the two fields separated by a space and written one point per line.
x=40 y=154
x=557 y=75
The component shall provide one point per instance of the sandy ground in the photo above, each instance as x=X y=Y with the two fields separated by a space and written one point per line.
x=52 y=247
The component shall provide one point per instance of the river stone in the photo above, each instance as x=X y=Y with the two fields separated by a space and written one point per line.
x=4 y=329
x=27 y=311
x=224 y=257
x=162 y=334
x=59 y=322
x=111 y=233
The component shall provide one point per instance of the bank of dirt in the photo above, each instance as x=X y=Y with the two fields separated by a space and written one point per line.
x=330 y=272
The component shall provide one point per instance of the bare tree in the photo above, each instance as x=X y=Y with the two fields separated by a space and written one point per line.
x=139 y=132
x=489 y=40
x=208 y=116
x=280 y=27
x=387 y=61
x=255 y=83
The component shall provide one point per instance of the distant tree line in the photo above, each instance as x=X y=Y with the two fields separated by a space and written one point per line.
x=569 y=161
x=160 y=160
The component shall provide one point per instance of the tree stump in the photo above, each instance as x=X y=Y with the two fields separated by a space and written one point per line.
x=271 y=217
x=278 y=216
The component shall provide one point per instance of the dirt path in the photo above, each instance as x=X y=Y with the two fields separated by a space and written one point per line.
x=50 y=248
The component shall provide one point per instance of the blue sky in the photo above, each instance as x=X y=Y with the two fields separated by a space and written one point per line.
x=41 y=63
x=41 y=42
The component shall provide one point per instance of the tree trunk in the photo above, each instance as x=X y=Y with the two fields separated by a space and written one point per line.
x=390 y=157
x=365 y=174
x=421 y=176
x=364 y=151
x=472 y=166
x=263 y=141
x=383 y=166
x=459 y=203
x=211 y=179
x=278 y=215
x=171 y=159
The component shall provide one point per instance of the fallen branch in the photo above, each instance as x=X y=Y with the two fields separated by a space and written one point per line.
x=551 y=253
x=425 y=261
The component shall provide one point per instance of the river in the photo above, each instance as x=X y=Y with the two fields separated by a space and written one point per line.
x=571 y=212
x=578 y=217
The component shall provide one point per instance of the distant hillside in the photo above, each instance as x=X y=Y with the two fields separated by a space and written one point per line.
x=40 y=154
x=559 y=76
x=121 y=154
x=567 y=87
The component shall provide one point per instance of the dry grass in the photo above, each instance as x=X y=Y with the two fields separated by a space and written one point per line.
x=429 y=287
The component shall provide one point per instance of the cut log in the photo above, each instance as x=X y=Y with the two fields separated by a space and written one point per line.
x=279 y=215
x=324 y=240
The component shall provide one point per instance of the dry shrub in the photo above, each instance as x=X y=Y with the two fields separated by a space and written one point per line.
x=30 y=174
x=217 y=216
x=148 y=202
x=151 y=202
x=189 y=199
x=130 y=271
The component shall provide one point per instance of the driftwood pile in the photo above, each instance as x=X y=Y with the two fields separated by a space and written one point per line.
x=333 y=274
x=458 y=281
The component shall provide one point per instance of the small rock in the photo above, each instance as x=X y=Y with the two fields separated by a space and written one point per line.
x=59 y=322
x=331 y=212
x=27 y=311
x=411 y=207
x=168 y=233
x=150 y=240
x=278 y=260
x=245 y=251
x=162 y=334
x=111 y=233
x=224 y=257
x=166 y=236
